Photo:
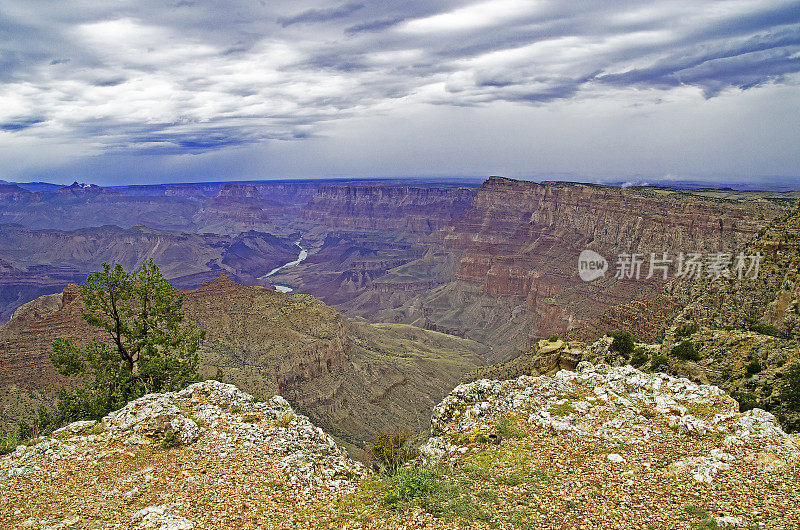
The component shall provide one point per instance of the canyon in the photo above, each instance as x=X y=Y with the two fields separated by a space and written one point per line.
x=495 y=263
x=407 y=287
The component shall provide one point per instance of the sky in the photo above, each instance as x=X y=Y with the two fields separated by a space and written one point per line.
x=141 y=91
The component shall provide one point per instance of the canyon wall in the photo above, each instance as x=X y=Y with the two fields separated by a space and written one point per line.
x=412 y=209
x=505 y=272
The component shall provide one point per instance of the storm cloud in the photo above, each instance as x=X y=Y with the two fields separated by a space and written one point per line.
x=151 y=78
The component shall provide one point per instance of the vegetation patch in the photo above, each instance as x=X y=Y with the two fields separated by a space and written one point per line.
x=753 y=367
x=285 y=418
x=767 y=329
x=685 y=351
x=507 y=427
x=561 y=409
x=639 y=356
x=436 y=495
x=8 y=442
x=687 y=329
x=659 y=362
x=622 y=343
x=706 y=410
x=747 y=400
x=390 y=452
x=170 y=440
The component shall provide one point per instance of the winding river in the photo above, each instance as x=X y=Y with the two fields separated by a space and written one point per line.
x=285 y=288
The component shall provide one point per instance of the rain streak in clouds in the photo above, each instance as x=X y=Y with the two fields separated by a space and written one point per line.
x=188 y=77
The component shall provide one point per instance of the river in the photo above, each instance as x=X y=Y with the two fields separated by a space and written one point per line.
x=285 y=288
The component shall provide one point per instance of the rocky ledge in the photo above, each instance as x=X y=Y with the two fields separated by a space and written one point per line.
x=647 y=435
x=164 y=459
x=598 y=447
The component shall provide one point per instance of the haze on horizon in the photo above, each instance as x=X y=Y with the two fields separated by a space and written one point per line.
x=146 y=91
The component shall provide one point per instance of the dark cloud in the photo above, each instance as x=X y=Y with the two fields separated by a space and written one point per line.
x=148 y=77
x=20 y=124
x=374 y=25
x=320 y=15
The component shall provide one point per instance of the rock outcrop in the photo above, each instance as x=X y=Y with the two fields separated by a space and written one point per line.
x=160 y=460
x=658 y=442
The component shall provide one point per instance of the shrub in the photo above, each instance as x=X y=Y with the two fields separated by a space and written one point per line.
x=390 y=452
x=477 y=436
x=659 y=362
x=684 y=330
x=506 y=428
x=747 y=400
x=553 y=337
x=414 y=484
x=639 y=356
x=8 y=442
x=685 y=351
x=790 y=390
x=753 y=367
x=622 y=343
x=285 y=418
x=767 y=329
x=170 y=439
x=434 y=494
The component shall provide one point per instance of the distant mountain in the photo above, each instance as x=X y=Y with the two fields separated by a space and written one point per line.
x=35 y=186
x=45 y=261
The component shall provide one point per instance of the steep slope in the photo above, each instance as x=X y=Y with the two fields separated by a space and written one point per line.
x=745 y=333
x=354 y=379
x=772 y=298
x=404 y=208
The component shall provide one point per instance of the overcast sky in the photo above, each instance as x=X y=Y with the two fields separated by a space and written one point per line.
x=125 y=91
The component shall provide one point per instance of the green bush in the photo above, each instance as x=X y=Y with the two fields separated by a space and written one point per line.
x=790 y=390
x=507 y=429
x=622 y=343
x=414 y=484
x=285 y=418
x=434 y=494
x=8 y=442
x=553 y=337
x=390 y=452
x=684 y=330
x=170 y=439
x=767 y=329
x=639 y=356
x=658 y=361
x=753 y=367
x=685 y=351
x=747 y=400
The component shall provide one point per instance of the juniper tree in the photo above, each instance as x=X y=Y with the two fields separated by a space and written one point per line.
x=146 y=344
